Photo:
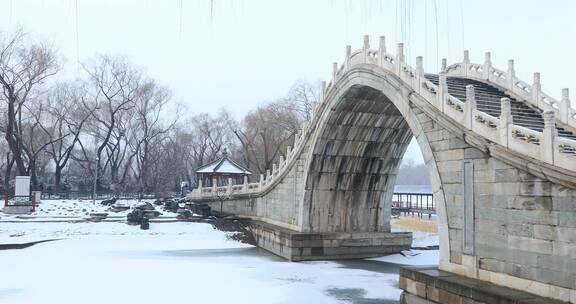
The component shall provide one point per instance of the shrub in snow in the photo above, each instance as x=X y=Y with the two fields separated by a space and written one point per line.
x=108 y=202
x=135 y=217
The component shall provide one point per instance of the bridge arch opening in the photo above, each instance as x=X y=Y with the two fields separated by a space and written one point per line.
x=356 y=154
x=355 y=162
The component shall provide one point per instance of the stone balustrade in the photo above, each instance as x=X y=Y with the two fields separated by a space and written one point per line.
x=544 y=146
x=531 y=94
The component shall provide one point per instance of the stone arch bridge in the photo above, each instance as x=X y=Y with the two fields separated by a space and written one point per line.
x=501 y=155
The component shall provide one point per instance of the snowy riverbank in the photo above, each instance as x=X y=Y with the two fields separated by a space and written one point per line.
x=76 y=209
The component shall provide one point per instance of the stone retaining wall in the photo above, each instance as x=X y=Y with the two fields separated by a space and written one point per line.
x=427 y=284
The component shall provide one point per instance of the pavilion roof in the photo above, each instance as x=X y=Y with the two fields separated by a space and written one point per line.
x=223 y=165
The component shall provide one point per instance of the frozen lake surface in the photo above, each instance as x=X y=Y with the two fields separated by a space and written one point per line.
x=179 y=263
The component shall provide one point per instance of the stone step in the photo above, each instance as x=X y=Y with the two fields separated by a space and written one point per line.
x=428 y=284
x=488 y=100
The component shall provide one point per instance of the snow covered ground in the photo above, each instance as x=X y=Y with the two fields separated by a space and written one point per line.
x=112 y=262
x=57 y=210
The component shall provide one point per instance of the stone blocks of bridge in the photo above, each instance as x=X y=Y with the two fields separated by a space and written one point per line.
x=302 y=246
x=505 y=225
x=428 y=284
x=354 y=162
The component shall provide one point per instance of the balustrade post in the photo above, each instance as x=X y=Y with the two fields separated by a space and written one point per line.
x=288 y=152
x=505 y=120
x=245 y=184
x=281 y=162
x=268 y=176
x=550 y=132
x=419 y=72
x=274 y=169
x=487 y=69
x=200 y=185
x=536 y=88
x=442 y=90
x=261 y=182
x=565 y=107
x=304 y=130
x=314 y=108
x=348 y=57
x=399 y=58
x=214 y=185
x=444 y=65
x=366 y=48
x=382 y=51
x=323 y=93
x=419 y=66
x=466 y=63
x=297 y=138
x=469 y=106
x=510 y=75
x=334 y=72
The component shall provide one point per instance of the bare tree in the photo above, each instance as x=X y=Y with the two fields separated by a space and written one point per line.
x=210 y=136
x=114 y=86
x=34 y=124
x=266 y=132
x=166 y=161
x=304 y=96
x=68 y=115
x=117 y=125
x=179 y=144
x=24 y=67
x=150 y=130
x=119 y=155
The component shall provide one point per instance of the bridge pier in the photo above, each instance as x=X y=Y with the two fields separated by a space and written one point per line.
x=301 y=246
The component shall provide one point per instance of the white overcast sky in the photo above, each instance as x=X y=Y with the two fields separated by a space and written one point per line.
x=236 y=54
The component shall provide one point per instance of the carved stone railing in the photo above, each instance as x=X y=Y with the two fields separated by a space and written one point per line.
x=507 y=80
x=545 y=146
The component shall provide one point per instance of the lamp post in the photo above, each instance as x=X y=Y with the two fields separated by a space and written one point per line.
x=95 y=179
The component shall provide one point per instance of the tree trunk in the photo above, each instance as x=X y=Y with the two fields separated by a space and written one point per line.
x=14 y=128
x=57 y=178
x=9 y=164
x=114 y=168
x=33 y=175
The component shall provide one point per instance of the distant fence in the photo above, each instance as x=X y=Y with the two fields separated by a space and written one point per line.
x=418 y=203
x=100 y=195
x=402 y=202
